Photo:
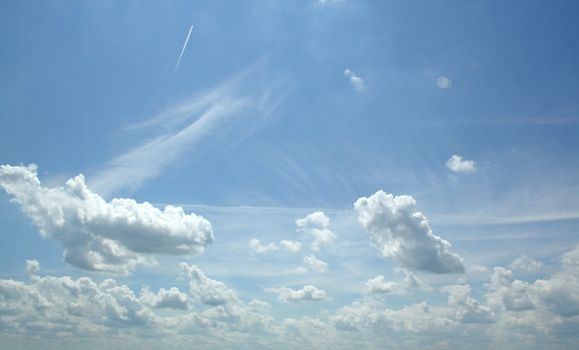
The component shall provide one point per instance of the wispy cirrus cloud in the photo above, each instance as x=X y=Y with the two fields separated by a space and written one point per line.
x=235 y=108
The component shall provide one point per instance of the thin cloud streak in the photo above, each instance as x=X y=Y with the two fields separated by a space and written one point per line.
x=186 y=126
x=182 y=51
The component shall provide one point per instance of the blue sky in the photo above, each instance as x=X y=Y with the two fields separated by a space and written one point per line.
x=279 y=118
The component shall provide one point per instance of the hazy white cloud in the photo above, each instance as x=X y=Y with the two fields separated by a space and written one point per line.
x=171 y=298
x=32 y=267
x=466 y=308
x=401 y=232
x=357 y=82
x=306 y=293
x=317 y=224
x=291 y=246
x=458 y=165
x=99 y=235
x=207 y=290
x=256 y=247
x=443 y=82
x=378 y=285
x=238 y=106
x=315 y=264
x=526 y=264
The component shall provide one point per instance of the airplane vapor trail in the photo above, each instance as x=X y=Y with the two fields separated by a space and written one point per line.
x=182 y=51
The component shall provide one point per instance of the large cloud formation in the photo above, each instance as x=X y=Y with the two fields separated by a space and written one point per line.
x=399 y=231
x=99 y=235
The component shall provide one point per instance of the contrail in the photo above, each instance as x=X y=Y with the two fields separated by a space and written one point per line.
x=182 y=51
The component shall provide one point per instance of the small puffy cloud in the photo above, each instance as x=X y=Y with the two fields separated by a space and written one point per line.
x=256 y=247
x=32 y=267
x=314 y=263
x=443 y=82
x=317 y=224
x=356 y=81
x=377 y=285
x=99 y=235
x=458 y=165
x=306 y=293
x=291 y=246
x=208 y=291
x=525 y=264
x=171 y=298
x=401 y=232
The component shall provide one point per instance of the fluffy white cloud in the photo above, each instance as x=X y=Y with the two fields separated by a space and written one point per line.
x=357 y=82
x=314 y=263
x=401 y=232
x=306 y=293
x=317 y=224
x=558 y=295
x=377 y=285
x=458 y=165
x=207 y=290
x=171 y=298
x=99 y=235
x=443 y=82
x=291 y=246
x=256 y=246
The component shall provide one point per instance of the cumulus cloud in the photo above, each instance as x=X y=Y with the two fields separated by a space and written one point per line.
x=443 y=82
x=99 y=235
x=32 y=267
x=466 y=308
x=558 y=294
x=378 y=285
x=317 y=224
x=306 y=293
x=357 y=82
x=458 y=165
x=207 y=290
x=256 y=247
x=291 y=246
x=401 y=232
x=171 y=298
x=314 y=263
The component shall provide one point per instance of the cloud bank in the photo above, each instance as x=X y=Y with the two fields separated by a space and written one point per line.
x=99 y=235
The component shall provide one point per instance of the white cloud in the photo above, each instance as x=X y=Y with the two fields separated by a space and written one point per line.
x=526 y=264
x=401 y=232
x=306 y=293
x=99 y=235
x=458 y=165
x=291 y=246
x=171 y=298
x=443 y=82
x=256 y=246
x=208 y=291
x=236 y=107
x=377 y=285
x=356 y=81
x=32 y=267
x=315 y=264
x=317 y=224
x=466 y=308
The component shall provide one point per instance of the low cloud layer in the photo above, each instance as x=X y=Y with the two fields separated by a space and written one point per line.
x=306 y=293
x=401 y=232
x=99 y=235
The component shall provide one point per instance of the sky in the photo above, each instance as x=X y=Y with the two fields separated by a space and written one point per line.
x=326 y=174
